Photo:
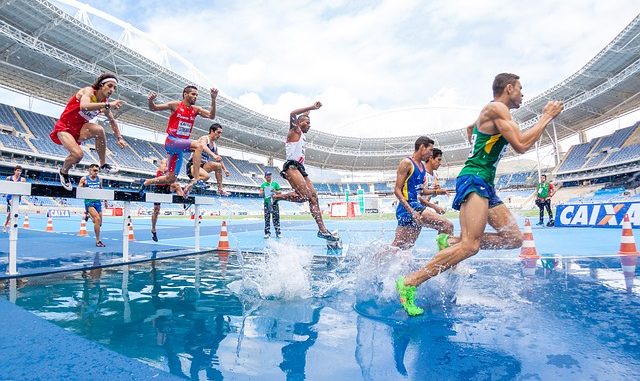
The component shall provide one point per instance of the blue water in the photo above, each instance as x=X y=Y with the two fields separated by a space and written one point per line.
x=291 y=314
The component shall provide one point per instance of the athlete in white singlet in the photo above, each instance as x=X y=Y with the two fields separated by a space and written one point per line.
x=210 y=161
x=294 y=172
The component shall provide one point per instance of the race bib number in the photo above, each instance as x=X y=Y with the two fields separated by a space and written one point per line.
x=268 y=191
x=184 y=129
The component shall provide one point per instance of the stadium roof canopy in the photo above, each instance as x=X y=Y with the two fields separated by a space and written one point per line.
x=49 y=54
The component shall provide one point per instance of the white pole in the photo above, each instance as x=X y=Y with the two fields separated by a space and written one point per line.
x=196 y=225
x=125 y=231
x=556 y=145
x=538 y=159
x=125 y=294
x=13 y=290
x=12 y=268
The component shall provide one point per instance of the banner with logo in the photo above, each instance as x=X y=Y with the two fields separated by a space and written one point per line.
x=58 y=213
x=607 y=215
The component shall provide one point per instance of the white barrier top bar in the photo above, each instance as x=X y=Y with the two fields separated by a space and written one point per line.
x=95 y=194
x=159 y=197
x=201 y=200
x=19 y=189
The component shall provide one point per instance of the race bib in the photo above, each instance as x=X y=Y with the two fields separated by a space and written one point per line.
x=184 y=129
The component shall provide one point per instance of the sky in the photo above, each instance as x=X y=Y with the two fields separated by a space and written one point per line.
x=428 y=64
x=380 y=68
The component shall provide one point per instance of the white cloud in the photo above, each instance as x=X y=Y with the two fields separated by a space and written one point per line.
x=247 y=76
x=363 y=58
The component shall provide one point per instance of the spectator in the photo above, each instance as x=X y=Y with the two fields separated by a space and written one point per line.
x=545 y=191
x=271 y=208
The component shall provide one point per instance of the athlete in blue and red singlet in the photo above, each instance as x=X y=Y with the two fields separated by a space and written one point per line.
x=183 y=115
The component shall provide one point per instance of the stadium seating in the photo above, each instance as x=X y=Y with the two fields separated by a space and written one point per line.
x=8 y=118
x=575 y=158
x=14 y=142
x=625 y=154
x=614 y=140
x=322 y=188
x=236 y=176
x=383 y=188
x=40 y=125
x=146 y=150
x=502 y=182
x=46 y=147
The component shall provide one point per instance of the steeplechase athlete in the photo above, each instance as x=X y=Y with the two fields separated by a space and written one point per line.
x=210 y=160
x=93 y=207
x=75 y=126
x=183 y=116
x=475 y=192
x=412 y=213
x=293 y=169
x=163 y=169
x=433 y=213
x=16 y=178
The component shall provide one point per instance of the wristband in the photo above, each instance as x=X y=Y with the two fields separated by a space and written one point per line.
x=107 y=106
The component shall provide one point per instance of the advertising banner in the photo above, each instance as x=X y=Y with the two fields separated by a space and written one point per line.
x=606 y=215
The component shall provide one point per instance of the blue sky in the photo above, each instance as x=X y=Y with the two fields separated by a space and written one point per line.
x=362 y=58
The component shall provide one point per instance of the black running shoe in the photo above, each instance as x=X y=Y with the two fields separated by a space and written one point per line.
x=154 y=236
x=65 y=180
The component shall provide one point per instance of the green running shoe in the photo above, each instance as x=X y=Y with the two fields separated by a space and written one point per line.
x=408 y=298
x=442 y=240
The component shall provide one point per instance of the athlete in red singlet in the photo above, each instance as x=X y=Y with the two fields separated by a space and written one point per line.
x=183 y=115
x=75 y=124
x=163 y=169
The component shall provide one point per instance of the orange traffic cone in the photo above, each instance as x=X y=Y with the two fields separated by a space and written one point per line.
x=131 y=238
x=83 y=227
x=628 y=253
x=223 y=244
x=49 y=225
x=528 y=253
x=25 y=224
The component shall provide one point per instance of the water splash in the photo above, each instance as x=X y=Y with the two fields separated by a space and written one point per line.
x=283 y=272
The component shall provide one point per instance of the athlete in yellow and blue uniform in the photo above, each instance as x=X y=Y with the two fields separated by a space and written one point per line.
x=475 y=193
x=409 y=184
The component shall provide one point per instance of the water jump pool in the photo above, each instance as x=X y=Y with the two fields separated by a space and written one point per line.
x=283 y=310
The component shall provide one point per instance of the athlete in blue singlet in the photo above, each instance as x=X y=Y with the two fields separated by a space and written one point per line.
x=93 y=207
x=409 y=184
x=17 y=177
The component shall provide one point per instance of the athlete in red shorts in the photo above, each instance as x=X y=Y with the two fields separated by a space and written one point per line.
x=75 y=124
x=183 y=115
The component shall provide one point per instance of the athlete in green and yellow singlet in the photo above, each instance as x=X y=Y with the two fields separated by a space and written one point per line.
x=475 y=194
